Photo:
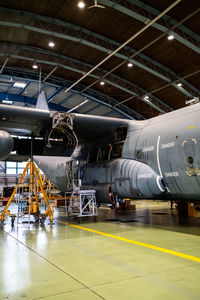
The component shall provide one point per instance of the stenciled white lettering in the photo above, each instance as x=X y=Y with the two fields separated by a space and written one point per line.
x=150 y=148
x=168 y=145
x=144 y=176
x=172 y=174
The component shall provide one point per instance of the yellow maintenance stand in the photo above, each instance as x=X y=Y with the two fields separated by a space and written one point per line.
x=35 y=177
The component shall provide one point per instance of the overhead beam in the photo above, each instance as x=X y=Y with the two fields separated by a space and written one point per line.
x=50 y=73
x=167 y=108
x=127 y=115
x=168 y=19
x=110 y=102
x=156 y=69
x=4 y=64
x=144 y=19
x=56 y=92
x=23 y=89
x=9 y=87
x=84 y=42
x=94 y=96
x=49 y=56
x=126 y=10
x=138 y=53
x=57 y=107
x=160 y=88
x=28 y=100
x=116 y=51
x=78 y=105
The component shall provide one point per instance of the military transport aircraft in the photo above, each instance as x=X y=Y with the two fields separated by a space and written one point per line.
x=155 y=158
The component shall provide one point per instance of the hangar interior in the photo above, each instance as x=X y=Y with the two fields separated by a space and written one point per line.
x=124 y=59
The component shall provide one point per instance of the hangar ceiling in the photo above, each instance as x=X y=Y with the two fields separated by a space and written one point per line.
x=92 y=51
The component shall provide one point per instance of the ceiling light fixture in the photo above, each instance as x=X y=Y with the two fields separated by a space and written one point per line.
x=81 y=4
x=170 y=37
x=179 y=84
x=35 y=66
x=19 y=84
x=130 y=65
x=146 y=98
x=102 y=82
x=192 y=101
x=9 y=102
x=51 y=44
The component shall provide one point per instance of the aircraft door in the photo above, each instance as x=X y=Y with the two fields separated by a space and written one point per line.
x=191 y=163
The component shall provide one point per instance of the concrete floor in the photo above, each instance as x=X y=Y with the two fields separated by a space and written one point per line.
x=64 y=262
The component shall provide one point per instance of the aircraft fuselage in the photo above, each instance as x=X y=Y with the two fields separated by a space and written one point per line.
x=159 y=158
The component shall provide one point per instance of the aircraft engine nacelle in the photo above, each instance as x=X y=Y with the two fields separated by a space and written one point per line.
x=133 y=179
x=6 y=144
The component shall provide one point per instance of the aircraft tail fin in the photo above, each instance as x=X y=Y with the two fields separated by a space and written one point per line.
x=42 y=101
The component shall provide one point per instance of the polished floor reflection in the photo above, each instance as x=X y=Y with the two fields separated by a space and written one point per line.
x=63 y=262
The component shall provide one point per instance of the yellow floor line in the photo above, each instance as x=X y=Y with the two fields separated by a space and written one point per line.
x=182 y=255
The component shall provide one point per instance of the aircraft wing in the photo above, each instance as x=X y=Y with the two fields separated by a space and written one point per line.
x=88 y=127
x=54 y=133
x=23 y=121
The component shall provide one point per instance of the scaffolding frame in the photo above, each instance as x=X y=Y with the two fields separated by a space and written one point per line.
x=82 y=203
x=33 y=197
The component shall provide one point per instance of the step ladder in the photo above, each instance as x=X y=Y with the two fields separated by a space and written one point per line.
x=82 y=203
